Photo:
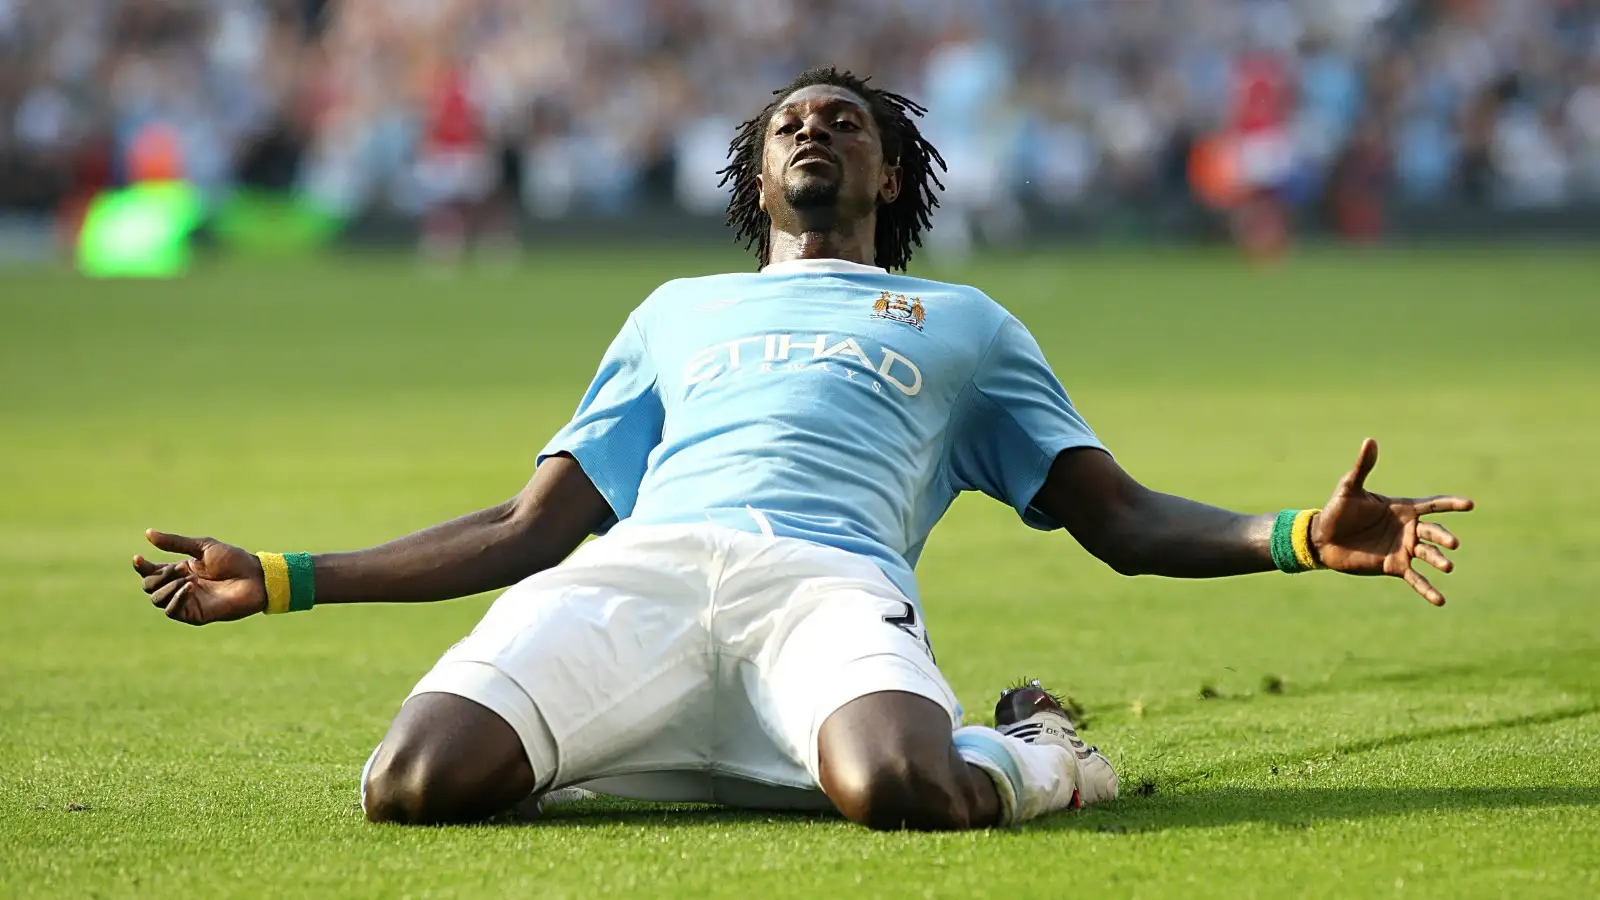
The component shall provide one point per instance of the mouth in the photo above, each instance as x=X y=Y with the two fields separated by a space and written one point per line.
x=811 y=154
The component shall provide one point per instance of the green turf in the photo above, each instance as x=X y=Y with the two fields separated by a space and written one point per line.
x=1409 y=751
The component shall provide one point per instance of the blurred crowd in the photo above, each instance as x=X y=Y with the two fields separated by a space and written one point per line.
x=601 y=105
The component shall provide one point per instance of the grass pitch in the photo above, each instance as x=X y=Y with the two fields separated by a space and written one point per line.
x=1314 y=736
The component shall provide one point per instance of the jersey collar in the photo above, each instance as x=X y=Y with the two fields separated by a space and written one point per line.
x=821 y=266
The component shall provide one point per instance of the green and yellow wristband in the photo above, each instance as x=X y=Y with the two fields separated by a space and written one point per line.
x=290 y=584
x=1291 y=541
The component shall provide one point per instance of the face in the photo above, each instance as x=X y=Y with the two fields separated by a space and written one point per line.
x=823 y=160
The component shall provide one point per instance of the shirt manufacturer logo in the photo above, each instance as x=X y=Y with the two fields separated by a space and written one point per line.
x=896 y=308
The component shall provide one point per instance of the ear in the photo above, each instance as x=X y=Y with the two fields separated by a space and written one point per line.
x=761 y=194
x=889 y=188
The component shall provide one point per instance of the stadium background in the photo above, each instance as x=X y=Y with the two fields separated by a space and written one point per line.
x=352 y=355
x=1085 y=116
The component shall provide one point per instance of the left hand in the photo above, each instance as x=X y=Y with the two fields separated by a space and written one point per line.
x=1362 y=533
x=218 y=583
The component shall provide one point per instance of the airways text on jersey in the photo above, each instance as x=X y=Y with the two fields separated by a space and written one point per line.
x=778 y=353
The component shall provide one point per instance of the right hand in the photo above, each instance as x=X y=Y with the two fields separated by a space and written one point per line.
x=218 y=583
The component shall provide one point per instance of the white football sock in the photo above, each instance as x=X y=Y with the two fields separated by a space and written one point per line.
x=1031 y=779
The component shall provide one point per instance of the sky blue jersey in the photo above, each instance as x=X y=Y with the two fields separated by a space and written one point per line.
x=822 y=400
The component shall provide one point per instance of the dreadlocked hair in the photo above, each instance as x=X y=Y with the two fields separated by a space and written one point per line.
x=900 y=223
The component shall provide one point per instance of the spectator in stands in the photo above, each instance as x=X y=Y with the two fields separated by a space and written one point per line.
x=581 y=105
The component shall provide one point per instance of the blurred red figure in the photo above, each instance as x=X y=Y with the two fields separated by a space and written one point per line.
x=1259 y=127
x=453 y=166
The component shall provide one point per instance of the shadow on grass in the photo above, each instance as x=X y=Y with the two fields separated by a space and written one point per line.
x=1414 y=736
x=1288 y=808
x=1554 y=666
x=1300 y=808
x=1548 y=717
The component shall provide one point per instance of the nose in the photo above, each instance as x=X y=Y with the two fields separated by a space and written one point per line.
x=813 y=129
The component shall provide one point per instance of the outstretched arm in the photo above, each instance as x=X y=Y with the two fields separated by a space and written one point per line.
x=1138 y=531
x=483 y=551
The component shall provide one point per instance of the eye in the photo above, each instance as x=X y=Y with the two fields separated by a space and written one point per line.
x=846 y=125
x=789 y=127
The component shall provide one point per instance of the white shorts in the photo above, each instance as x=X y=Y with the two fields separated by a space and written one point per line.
x=690 y=663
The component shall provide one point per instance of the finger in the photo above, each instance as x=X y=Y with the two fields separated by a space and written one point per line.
x=179 y=606
x=167 y=574
x=1431 y=555
x=1356 y=478
x=1427 y=506
x=1423 y=586
x=164 y=594
x=1438 y=534
x=146 y=567
x=177 y=543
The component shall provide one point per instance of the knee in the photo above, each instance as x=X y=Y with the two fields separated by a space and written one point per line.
x=445 y=759
x=894 y=793
x=406 y=785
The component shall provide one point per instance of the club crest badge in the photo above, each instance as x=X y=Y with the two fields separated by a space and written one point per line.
x=896 y=308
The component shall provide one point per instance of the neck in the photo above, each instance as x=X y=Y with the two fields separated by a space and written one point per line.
x=849 y=242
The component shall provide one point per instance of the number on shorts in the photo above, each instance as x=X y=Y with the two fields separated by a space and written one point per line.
x=907 y=621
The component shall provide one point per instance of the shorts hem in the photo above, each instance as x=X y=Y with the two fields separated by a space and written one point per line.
x=485 y=684
x=878 y=674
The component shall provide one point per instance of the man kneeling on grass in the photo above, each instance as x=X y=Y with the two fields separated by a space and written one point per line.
x=765 y=455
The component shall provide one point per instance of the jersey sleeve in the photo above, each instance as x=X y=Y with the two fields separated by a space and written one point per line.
x=1016 y=419
x=617 y=424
